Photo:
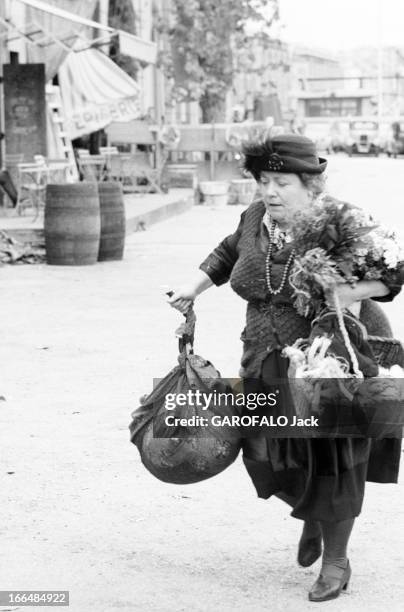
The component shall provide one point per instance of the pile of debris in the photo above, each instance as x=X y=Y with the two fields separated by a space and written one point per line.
x=14 y=252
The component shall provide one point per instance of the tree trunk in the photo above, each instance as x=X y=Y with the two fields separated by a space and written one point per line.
x=213 y=111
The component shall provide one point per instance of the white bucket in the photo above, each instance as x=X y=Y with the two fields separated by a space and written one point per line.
x=215 y=192
x=243 y=191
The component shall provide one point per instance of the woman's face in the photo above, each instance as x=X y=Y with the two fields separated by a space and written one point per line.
x=284 y=194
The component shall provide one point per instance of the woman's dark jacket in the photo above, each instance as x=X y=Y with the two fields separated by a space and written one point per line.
x=271 y=322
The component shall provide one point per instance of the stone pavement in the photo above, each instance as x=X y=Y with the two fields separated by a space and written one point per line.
x=79 y=511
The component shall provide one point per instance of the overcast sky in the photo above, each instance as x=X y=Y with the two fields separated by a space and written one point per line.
x=342 y=24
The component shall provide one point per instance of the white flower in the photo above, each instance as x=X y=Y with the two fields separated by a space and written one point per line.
x=362 y=252
x=391 y=252
x=377 y=248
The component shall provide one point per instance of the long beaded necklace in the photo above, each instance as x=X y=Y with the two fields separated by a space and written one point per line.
x=268 y=264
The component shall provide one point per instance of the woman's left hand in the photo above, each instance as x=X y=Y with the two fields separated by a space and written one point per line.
x=348 y=294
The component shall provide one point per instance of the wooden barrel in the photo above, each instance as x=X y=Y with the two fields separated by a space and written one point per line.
x=72 y=224
x=112 y=210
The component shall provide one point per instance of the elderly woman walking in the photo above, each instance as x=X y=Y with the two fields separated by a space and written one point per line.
x=323 y=480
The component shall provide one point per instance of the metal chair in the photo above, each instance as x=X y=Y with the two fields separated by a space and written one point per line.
x=112 y=162
x=93 y=167
x=32 y=181
x=109 y=151
x=59 y=170
x=82 y=152
x=115 y=168
x=133 y=179
x=150 y=177
x=11 y=162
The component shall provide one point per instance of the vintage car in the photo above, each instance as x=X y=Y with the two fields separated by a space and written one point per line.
x=395 y=142
x=363 y=138
x=320 y=134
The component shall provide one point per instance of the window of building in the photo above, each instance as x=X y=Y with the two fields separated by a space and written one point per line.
x=333 y=107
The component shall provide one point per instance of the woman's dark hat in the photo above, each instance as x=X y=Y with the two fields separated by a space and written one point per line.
x=283 y=153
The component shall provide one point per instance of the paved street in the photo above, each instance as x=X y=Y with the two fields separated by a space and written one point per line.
x=80 y=513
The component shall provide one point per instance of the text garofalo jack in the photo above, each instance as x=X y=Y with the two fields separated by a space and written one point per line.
x=202 y=401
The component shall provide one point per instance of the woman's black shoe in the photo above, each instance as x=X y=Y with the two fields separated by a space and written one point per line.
x=329 y=586
x=309 y=549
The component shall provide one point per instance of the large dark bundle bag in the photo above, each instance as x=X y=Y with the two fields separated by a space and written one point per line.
x=184 y=454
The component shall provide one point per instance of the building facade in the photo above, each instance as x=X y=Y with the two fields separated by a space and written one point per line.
x=350 y=85
x=262 y=80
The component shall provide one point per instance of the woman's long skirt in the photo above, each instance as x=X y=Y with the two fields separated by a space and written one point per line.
x=324 y=478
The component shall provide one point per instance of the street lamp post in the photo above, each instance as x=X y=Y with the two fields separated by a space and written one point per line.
x=379 y=63
x=3 y=52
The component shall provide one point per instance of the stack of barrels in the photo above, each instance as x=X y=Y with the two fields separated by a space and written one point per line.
x=84 y=223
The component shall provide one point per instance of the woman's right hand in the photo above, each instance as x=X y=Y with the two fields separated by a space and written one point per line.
x=182 y=299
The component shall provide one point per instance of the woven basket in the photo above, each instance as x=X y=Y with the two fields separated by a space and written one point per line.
x=387 y=351
x=311 y=396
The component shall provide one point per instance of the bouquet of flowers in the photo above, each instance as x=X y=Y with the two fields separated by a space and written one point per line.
x=337 y=243
x=334 y=373
x=334 y=243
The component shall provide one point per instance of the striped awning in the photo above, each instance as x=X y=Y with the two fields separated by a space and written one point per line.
x=35 y=33
x=95 y=92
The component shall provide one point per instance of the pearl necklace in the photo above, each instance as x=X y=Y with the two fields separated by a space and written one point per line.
x=268 y=264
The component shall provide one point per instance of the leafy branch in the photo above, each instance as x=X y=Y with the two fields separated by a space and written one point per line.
x=203 y=39
x=122 y=16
